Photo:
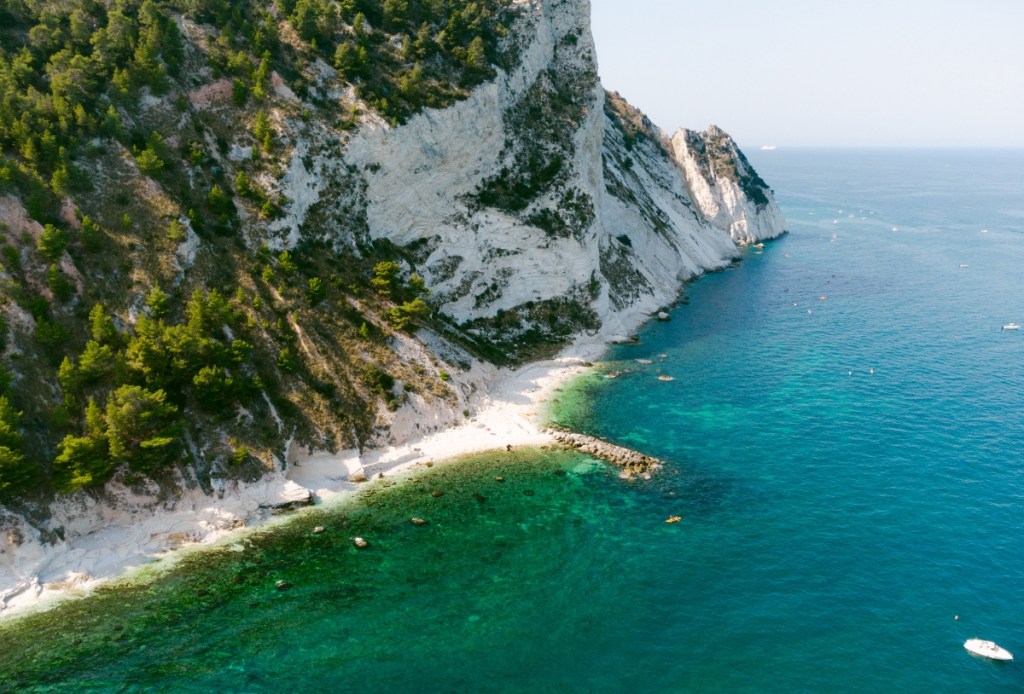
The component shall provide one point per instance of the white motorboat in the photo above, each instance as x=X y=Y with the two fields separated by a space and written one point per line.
x=987 y=649
x=1011 y=326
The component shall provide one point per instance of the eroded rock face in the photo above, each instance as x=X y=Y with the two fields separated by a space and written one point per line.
x=543 y=206
x=725 y=187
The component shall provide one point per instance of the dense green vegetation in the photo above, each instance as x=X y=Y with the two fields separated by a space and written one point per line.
x=140 y=320
x=73 y=72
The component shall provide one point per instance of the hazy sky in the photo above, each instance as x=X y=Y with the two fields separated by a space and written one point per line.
x=822 y=72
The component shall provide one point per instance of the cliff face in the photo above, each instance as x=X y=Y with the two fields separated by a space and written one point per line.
x=724 y=186
x=542 y=196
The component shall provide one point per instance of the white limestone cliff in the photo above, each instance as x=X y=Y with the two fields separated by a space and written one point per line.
x=649 y=212
x=725 y=187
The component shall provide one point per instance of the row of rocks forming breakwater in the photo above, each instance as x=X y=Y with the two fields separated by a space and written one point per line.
x=633 y=463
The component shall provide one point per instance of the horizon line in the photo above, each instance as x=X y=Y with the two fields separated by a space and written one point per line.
x=749 y=146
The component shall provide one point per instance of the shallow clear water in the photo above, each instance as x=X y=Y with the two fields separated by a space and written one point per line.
x=834 y=520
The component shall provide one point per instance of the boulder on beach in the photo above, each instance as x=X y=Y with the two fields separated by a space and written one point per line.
x=288 y=497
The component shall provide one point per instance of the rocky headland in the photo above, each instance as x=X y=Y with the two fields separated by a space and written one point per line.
x=541 y=214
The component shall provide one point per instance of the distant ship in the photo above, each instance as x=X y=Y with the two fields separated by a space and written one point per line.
x=768 y=147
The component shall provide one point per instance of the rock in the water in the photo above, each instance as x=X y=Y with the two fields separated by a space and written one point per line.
x=283 y=585
x=664 y=317
x=633 y=463
x=318 y=529
x=499 y=478
x=417 y=521
x=357 y=477
x=437 y=493
x=360 y=542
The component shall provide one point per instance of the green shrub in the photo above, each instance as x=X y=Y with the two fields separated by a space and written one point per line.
x=52 y=242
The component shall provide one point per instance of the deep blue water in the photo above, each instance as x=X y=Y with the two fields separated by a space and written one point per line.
x=843 y=440
x=847 y=422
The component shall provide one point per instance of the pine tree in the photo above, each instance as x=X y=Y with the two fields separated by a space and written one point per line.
x=158 y=302
x=16 y=472
x=102 y=326
x=141 y=428
x=52 y=242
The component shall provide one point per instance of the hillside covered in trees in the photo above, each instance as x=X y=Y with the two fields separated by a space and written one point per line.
x=152 y=320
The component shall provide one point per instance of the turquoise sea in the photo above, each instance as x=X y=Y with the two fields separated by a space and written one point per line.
x=844 y=438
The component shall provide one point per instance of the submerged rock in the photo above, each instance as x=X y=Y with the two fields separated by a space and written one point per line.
x=360 y=542
x=417 y=521
x=283 y=585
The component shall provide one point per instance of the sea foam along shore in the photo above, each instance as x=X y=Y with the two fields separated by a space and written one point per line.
x=37 y=575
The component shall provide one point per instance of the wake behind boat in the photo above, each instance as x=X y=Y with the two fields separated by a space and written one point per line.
x=987 y=649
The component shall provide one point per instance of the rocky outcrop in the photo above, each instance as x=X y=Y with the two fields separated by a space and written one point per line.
x=725 y=187
x=291 y=497
x=633 y=463
x=542 y=206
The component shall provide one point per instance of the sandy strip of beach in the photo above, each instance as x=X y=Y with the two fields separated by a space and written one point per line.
x=507 y=412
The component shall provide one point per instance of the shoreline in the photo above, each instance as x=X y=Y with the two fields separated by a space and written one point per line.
x=138 y=531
